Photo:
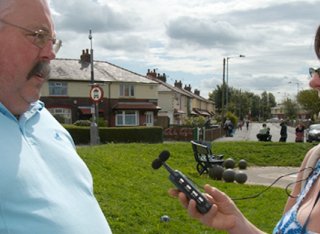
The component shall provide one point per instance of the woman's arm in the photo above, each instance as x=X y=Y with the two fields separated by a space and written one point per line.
x=305 y=169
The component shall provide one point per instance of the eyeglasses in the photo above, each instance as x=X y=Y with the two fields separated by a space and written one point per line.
x=40 y=37
x=313 y=70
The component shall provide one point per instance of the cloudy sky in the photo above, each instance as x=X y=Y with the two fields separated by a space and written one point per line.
x=188 y=39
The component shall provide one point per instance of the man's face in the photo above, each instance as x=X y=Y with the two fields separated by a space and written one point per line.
x=19 y=86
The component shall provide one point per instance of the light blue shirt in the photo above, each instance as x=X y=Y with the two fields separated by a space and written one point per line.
x=45 y=187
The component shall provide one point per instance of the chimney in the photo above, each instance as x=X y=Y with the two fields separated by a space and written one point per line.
x=197 y=92
x=188 y=88
x=85 y=56
x=162 y=77
x=152 y=73
x=178 y=84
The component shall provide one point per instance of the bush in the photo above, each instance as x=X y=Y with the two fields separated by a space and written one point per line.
x=131 y=134
x=197 y=121
x=82 y=123
x=81 y=134
x=232 y=117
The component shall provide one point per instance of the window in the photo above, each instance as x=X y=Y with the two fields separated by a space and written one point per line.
x=58 y=88
x=63 y=115
x=149 y=118
x=127 y=118
x=126 y=90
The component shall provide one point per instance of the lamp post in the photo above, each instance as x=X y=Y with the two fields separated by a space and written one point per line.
x=94 y=131
x=223 y=86
x=284 y=96
x=227 y=76
x=298 y=85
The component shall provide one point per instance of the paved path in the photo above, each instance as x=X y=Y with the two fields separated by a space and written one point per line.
x=265 y=175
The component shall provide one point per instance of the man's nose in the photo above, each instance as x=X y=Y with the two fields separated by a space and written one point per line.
x=48 y=52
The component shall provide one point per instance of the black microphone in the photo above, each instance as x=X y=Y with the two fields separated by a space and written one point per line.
x=182 y=182
x=164 y=155
x=156 y=164
x=161 y=160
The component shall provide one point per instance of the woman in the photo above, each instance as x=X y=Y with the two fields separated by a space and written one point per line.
x=300 y=133
x=302 y=211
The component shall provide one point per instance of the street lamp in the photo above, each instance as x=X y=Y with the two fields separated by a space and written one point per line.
x=284 y=96
x=227 y=75
x=298 y=85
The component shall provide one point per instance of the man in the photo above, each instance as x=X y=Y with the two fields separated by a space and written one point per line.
x=264 y=133
x=228 y=126
x=283 y=132
x=45 y=187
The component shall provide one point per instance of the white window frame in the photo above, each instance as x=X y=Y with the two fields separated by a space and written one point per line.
x=149 y=118
x=58 y=88
x=126 y=90
x=123 y=118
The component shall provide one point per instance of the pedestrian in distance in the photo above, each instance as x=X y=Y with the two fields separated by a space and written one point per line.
x=283 y=132
x=264 y=133
x=45 y=187
x=240 y=124
x=247 y=124
x=302 y=210
x=300 y=133
x=228 y=126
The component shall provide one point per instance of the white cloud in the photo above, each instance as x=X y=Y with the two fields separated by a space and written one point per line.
x=188 y=40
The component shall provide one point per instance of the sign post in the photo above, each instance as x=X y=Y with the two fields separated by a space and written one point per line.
x=96 y=95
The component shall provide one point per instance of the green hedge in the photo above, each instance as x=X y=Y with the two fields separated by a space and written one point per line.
x=81 y=135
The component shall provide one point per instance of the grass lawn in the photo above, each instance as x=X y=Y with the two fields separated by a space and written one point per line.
x=134 y=196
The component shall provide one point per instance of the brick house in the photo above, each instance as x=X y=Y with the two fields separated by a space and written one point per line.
x=129 y=99
x=177 y=102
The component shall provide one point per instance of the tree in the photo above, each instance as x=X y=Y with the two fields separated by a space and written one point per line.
x=255 y=107
x=216 y=97
x=243 y=104
x=290 y=108
x=309 y=101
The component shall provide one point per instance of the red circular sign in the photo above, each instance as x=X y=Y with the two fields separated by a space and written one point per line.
x=96 y=93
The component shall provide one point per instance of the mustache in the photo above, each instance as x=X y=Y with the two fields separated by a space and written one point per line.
x=41 y=69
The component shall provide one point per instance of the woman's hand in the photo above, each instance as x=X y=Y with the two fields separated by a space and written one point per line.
x=223 y=215
x=220 y=216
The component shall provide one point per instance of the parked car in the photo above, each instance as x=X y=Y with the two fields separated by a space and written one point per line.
x=313 y=133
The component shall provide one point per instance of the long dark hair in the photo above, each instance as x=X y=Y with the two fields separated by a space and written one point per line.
x=317 y=43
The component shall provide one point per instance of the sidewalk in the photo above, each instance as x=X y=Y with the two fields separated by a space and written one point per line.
x=267 y=175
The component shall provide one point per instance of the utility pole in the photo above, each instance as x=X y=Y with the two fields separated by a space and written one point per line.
x=94 y=131
x=223 y=87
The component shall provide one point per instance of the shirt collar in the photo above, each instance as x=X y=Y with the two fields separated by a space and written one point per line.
x=34 y=108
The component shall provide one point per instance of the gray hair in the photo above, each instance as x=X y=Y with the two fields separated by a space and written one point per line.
x=7 y=6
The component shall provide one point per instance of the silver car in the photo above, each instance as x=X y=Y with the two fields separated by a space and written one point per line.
x=313 y=133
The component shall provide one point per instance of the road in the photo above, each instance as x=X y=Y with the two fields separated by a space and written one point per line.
x=250 y=134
